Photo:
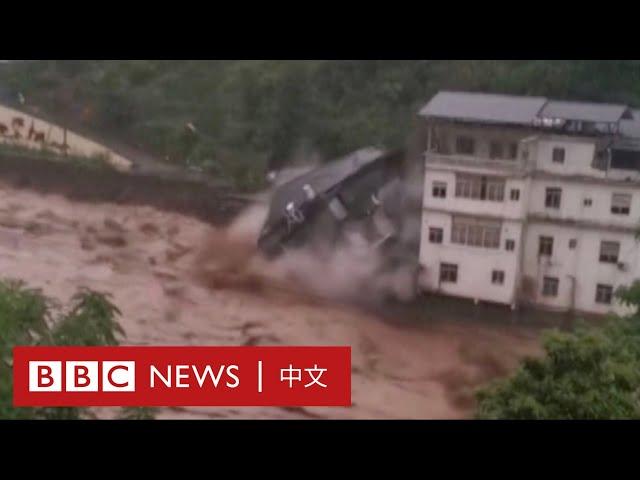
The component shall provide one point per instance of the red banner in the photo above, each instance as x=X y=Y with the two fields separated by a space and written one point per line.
x=181 y=376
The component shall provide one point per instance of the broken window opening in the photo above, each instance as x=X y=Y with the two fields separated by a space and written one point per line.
x=337 y=208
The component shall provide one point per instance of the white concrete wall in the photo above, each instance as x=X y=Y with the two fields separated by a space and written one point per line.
x=507 y=208
x=475 y=264
x=482 y=138
x=572 y=202
x=578 y=270
x=54 y=134
x=579 y=154
x=581 y=264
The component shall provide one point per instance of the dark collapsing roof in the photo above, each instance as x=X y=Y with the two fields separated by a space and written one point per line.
x=519 y=110
x=320 y=180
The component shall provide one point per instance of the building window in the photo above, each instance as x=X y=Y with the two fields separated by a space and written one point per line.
x=558 y=155
x=476 y=233
x=513 y=151
x=497 y=277
x=480 y=188
x=495 y=189
x=468 y=186
x=573 y=243
x=495 y=150
x=609 y=252
x=621 y=203
x=510 y=245
x=604 y=294
x=465 y=145
x=448 y=273
x=435 y=235
x=515 y=194
x=550 y=287
x=545 y=246
x=439 y=189
x=552 y=197
x=587 y=202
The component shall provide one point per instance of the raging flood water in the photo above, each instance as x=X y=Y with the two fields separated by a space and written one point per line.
x=179 y=281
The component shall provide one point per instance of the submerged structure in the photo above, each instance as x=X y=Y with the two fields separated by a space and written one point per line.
x=530 y=200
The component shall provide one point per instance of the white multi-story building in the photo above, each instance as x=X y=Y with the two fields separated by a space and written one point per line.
x=530 y=200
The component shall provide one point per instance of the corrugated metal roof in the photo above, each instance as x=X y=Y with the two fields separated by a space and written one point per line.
x=484 y=107
x=589 y=112
x=520 y=110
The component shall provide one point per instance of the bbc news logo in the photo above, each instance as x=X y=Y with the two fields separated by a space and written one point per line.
x=107 y=376
x=182 y=376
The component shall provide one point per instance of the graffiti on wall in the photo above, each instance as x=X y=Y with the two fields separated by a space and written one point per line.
x=16 y=131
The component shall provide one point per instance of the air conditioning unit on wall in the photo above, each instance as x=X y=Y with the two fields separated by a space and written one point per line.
x=622 y=266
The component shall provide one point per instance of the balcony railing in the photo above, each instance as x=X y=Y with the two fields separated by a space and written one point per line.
x=433 y=157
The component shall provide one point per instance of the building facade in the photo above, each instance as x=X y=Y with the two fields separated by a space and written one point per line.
x=530 y=201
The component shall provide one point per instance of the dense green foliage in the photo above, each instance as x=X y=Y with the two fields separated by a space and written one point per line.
x=590 y=373
x=27 y=318
x=249 y=114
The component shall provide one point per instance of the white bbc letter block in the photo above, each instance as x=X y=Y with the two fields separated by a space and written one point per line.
x=86 y=374
x=118 y=376
x=50 y=376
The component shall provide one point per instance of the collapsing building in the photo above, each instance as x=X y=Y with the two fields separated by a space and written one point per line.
x=530 y=200
x=358 y=199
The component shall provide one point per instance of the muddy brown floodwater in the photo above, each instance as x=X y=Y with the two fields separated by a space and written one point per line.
x=145 y=258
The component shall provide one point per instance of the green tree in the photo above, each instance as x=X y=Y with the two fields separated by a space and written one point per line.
x=590 y=373
x=27 y=317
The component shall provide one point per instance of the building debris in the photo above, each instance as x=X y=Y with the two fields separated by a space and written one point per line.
x=357 y=199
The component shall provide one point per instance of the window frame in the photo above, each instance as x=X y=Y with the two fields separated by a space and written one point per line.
x=480 y=187
x=553 y=292
x=558 y=155
x=436 y=186
x=608 y=295
x=448 y=272
x=497 y=277
x=436 y=232
x=608 y=257
x=545 y=240
x=553 y=197
x=476 y=233
x=622 y=207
